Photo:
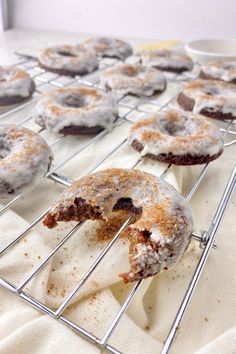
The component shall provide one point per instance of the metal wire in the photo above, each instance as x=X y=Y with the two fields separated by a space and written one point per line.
x=207 y=240
x=205 y=254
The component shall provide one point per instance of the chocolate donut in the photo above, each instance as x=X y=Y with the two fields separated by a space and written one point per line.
x=219 y=70
x=165 y=60
x=76 y=110
x=212 y=98
x=176 y=137
x=68 y=60
x=162 y=230
x=134 y=79
x=25 y=159
x=16 y=85
x=108 y=47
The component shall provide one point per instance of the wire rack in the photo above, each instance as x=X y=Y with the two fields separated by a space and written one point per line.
x=130 y=109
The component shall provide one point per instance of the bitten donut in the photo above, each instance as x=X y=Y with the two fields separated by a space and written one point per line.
x=215 y=99
x=68 y=60
x=179 y=138
x=16 y=85
x=76 y=110
x=219 y=70
x=25 y=159
x=108 y=47
x=166 y=60
x=135 y=79
x=158 y=237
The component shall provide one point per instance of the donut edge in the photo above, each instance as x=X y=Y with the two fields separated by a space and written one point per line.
x=185 y=160
x=10 y=100
x=187 y=104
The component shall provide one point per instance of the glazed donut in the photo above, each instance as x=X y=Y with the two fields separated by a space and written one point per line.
x=68 y=60
x=160 y=234
x=16 y=85
x=176 y=137
x=134 y=79
x=76 y=110
x=108 y=47
x=25 y=159
x=215 y=99
x=219 y=70
x=166 y=60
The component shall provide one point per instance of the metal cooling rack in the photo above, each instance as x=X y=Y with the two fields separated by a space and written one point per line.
x=129 y=108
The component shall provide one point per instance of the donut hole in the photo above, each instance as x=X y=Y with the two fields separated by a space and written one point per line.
x=74 y=101
x=66 y=53
x=126 y=204
x=177 y=128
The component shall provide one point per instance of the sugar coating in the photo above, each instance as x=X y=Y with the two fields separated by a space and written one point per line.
x=221 y=70
x=55 y=110
x=25 y=159
x=162 y=59
x=135 y=79
x=108 y=47
x=212 y=94
x=165 y=215
x=15 y=82
x=67 y=57
x=179 y=133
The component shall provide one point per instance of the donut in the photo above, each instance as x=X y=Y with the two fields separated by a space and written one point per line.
x=165 y=60
x=162 y=228
x=16 y=85
x=212 y=98
x=108 y=47
x=219 y=70
x=25 y=159
x=68 y=60
x=179 y=138
x=76 y=110
x=134 y=79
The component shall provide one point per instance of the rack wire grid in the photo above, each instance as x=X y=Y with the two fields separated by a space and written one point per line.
x=131 y=108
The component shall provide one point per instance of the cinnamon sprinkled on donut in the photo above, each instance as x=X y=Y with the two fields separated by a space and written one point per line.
x=161 y=231
x=177 y=137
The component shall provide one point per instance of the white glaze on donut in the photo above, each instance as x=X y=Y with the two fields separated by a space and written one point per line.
x=220 y=70
x=15 y=82
x=69 y=58
x=108 y=47
x=162 y=59
x=178 y=133
x=161 y=234
x=135 y=79
x=76 y=106
x=25 y=159
x=212 y=94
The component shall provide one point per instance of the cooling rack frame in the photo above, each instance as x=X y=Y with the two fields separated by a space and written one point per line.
x=206 y=238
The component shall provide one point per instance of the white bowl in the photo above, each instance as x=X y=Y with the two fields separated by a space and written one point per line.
x=203 y=50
